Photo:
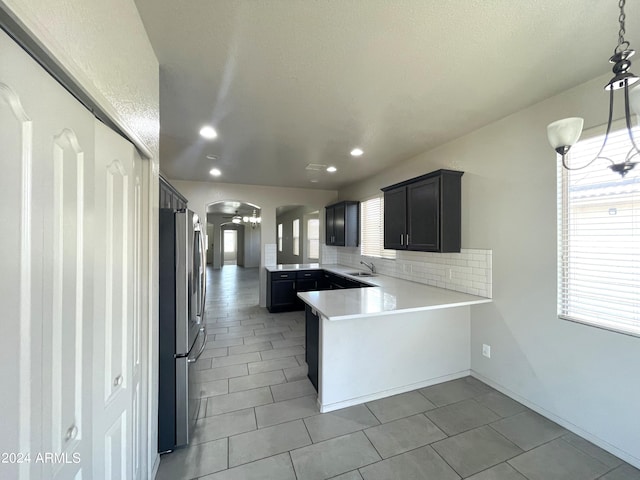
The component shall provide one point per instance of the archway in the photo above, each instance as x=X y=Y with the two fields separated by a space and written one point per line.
x=245 y=220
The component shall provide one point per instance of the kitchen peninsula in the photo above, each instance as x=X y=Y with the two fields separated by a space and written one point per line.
x=390 y=337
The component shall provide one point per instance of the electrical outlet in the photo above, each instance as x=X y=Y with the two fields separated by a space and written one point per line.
x=486 y=350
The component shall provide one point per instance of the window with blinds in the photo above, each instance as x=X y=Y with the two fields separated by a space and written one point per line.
x=599 y=236
x=372 y=228
x=313 y=238
x=296 y=236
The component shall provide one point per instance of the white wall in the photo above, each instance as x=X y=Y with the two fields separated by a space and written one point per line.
x=200 y=194
x=584 y=377
x=115 y=65
x=112 y=59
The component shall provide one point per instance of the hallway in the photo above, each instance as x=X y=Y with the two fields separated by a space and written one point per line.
x=259 y=419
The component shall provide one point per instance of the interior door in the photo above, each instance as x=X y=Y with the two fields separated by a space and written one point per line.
x=47 y=149
x=117 y=332
x=73 y=350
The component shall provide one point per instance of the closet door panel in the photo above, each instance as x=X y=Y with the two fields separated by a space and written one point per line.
x=116 y=301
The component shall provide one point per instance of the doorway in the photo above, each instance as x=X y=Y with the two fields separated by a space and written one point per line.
x=230 y=247
x=234 y=234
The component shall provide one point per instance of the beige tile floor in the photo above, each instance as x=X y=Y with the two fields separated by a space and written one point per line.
x=259 y=419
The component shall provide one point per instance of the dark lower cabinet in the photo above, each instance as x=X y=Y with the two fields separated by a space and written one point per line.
x=307 y=281
x=283 y=287
x=281 y=292
x=312 y=344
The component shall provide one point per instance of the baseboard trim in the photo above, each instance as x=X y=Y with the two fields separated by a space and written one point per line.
x=627 y=457
x=329 y=407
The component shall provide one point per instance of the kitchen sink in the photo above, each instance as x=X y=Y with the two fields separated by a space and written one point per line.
x=361 y=274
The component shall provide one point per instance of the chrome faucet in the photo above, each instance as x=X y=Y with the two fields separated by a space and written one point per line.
x=371 y=266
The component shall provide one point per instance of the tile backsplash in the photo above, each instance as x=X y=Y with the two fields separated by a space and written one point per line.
x=270 y=254
x=468 y=271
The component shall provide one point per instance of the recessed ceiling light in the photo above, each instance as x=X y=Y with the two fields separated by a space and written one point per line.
x=356 y=152
x=331 y=169
x=212 y=157
x=215 y=172
x=208 y=132
x=314 y=180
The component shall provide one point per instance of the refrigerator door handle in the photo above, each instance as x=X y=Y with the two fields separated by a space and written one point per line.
x=203 y=330
x=203 y=257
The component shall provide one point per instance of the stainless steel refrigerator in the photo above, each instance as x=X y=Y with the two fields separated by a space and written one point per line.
x=182 y=327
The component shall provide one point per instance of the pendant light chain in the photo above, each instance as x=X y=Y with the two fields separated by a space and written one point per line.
x=622 y=43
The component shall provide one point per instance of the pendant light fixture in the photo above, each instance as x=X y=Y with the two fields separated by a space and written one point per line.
x=563 y=134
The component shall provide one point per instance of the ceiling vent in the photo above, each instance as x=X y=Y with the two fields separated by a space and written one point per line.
x=316 y=167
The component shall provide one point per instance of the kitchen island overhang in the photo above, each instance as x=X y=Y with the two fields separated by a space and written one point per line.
x=388 y=339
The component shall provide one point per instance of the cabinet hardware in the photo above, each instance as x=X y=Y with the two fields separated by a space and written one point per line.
x=117 y=381
x=402 y=239
x=407 y=239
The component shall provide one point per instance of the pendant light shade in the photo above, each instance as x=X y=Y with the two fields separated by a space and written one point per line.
x=563 y=134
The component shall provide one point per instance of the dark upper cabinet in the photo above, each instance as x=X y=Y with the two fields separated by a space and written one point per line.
x=342 y=224
x=424 y=213
x=395 y=218
x=169 y=197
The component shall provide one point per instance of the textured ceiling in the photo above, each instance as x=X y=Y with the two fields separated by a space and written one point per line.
x=287 y=83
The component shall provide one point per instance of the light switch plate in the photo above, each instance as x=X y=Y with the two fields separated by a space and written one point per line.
x=486 y=350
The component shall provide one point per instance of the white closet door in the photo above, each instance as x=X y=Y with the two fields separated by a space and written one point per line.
x=73 y=343
x=117 y=334
x=50 y=159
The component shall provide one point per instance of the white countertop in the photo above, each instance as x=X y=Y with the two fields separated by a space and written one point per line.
x=289 y=267
x=386 y=296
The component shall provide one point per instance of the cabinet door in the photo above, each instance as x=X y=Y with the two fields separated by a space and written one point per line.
x=395 y=218
x=312 y=338
x=304 y=285
x=324 y=282
x=339 y=225
x=329 y=225
x=283 y=294
x=423 y=214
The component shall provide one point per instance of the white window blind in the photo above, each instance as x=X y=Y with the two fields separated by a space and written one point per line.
x=313 y=238
x=296 y=236
x=371 y=226
x=599 y=237
x=279 y=237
